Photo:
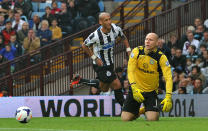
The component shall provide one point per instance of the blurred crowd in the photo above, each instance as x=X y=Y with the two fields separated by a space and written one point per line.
x=26 y=25
x=24 y=30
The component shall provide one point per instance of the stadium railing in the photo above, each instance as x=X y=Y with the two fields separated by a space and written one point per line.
x=52 y=76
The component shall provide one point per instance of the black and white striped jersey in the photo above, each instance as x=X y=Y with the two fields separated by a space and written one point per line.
x=103 y=43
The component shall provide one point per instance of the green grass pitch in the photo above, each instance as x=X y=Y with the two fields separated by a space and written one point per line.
x=104 y=124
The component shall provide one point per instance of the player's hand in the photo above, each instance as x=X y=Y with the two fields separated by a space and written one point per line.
x=99 y=62
x=167 y=103
x=137 y=94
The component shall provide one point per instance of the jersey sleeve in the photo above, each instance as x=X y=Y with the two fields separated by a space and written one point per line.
x=120 y=32
x=132 y=64
x=90 y=40
x=166 y=70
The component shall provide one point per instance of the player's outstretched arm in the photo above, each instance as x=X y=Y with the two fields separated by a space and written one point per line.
x=166 y=69
x=132 y=64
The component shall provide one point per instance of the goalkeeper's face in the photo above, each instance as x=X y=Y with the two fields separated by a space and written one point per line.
x=151 y=41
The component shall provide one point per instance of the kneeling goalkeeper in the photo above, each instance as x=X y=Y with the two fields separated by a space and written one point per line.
x=145 y=66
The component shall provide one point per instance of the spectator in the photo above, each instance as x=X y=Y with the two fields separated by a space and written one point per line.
x=199 y=32
x=72 y=7
x=21 y=34
x=2 y=22
x=197 y=22
x=204 y=41
x=55 y=10
x=179 y=61
x=48 y=16
x=17 y=23
x=164 y=48
x=205 y=58
x=1 y=42
x=88 y=9
x=202 y=48
x=35 y=23
x=197 y=86
x=25 y=5
x=190 y=86
x=173 y=53
x=8 y=52
x=65 y=19
x=6 y=4
x=196 y=73
x=10 y=16
x=173 y=42
x=7 y=32
x=107 y=93
x=87 y=14
x=31 y=42
x=192 y=53
x=191 y=41
x=56 y=35
x=17 y=45
x=94 y=91
x=126 y=87
x=56 y=31
x=184 y=36
x=44 y=33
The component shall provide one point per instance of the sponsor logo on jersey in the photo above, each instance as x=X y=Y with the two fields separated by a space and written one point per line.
x=132 y=54
x=152 y=61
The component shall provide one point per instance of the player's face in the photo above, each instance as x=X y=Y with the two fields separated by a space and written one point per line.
x=151 y=41
x=106 y=22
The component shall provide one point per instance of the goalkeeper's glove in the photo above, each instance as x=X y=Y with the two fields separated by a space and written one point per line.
x=137 y=94
x=167 y=103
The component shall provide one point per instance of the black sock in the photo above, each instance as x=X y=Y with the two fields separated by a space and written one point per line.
x=119 y=96
x=94 y=82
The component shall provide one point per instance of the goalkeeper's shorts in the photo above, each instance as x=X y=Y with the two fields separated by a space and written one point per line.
x=151 y=102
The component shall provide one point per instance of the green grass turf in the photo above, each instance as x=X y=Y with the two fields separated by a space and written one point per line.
x=104 y=124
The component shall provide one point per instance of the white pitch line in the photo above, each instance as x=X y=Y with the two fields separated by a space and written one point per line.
x=36 y=129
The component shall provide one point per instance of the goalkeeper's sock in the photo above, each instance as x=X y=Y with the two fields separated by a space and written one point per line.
x=119 y=96
x=94 y=83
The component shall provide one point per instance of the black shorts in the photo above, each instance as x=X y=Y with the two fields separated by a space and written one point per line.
x=105 y=74
x=151 y=102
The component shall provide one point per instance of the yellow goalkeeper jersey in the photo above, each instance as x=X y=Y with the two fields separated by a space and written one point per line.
x=144 y=69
